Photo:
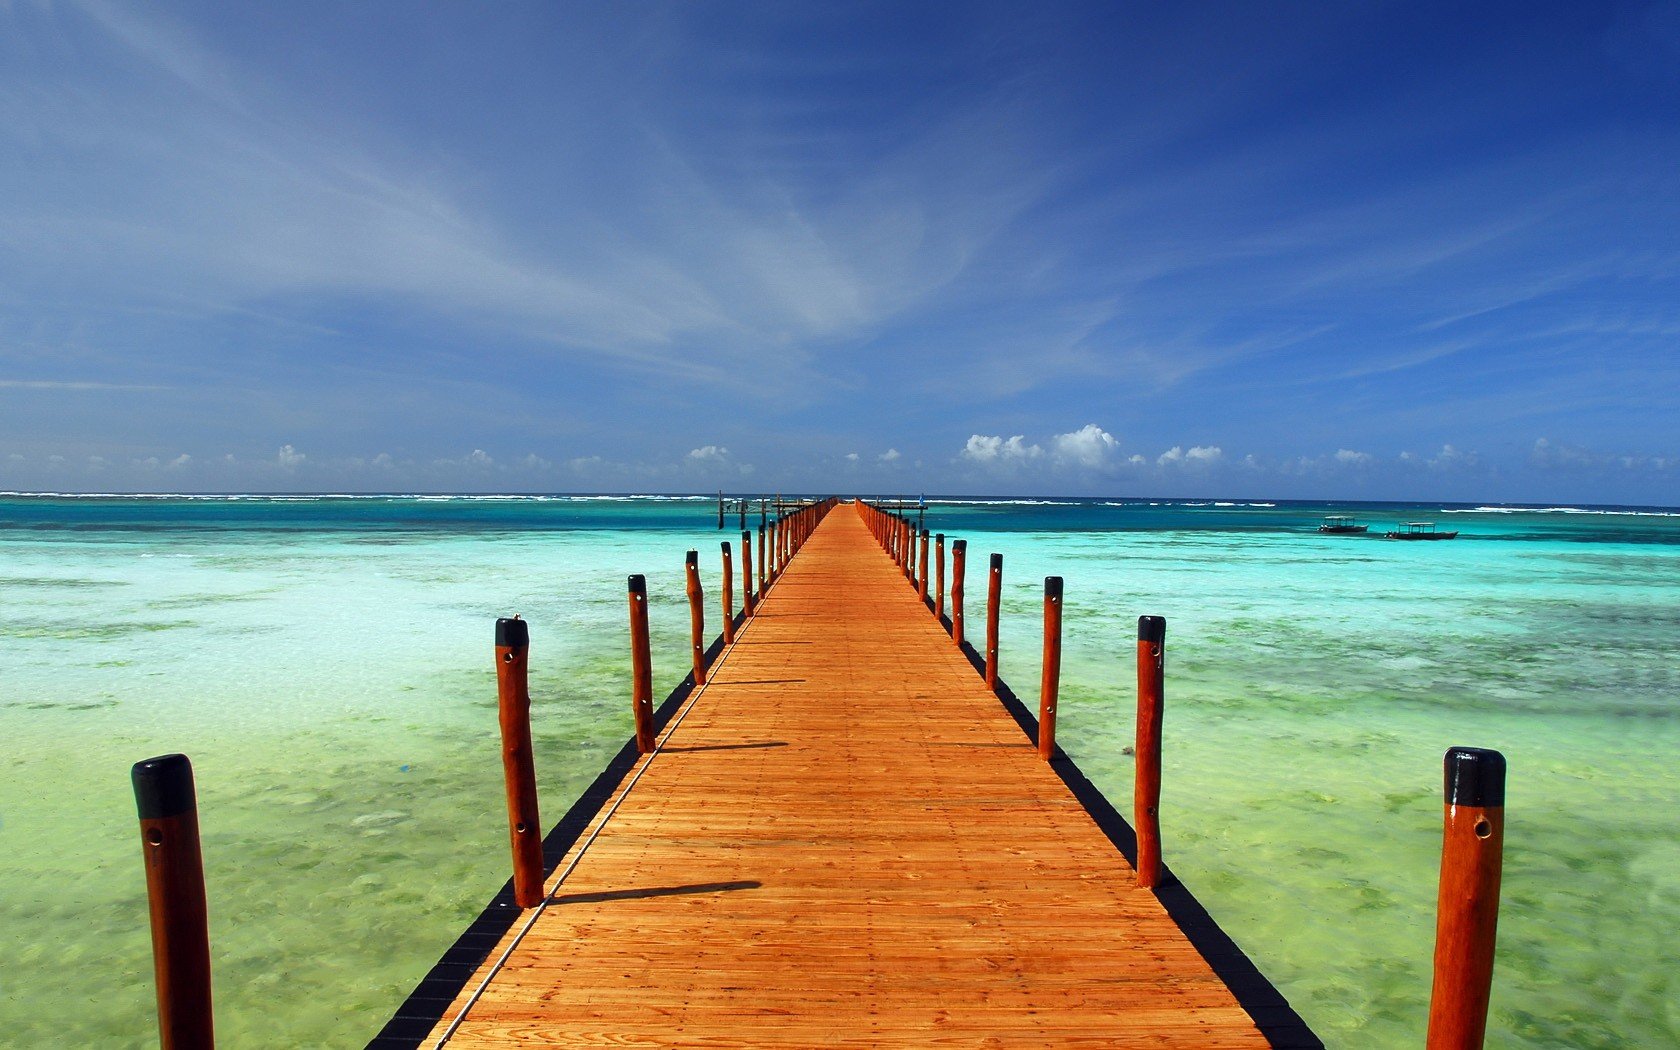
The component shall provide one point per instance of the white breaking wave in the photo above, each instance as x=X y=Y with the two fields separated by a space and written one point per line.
x=1602 y=511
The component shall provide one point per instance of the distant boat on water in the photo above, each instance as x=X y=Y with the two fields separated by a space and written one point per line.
x=1341 y=525
x=1419 y=530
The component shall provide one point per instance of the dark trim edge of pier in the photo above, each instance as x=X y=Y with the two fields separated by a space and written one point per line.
x=425 y=1006
x=1272 y=1014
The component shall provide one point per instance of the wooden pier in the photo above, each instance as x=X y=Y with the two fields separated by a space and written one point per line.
x=843 y=837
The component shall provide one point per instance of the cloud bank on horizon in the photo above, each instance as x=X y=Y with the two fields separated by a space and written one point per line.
x=1420 y=251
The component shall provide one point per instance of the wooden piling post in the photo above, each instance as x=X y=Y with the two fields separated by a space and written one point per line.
x=763 y=560
x=1050 y=677
x=728 y=592
x=1146 y=782
x=959 y=556
x=742 y=507
x=922 y=568
x=720 y=508
x=994 y=597
x=746 y=573
x=939 y=576
x=775 y=569
x=1467 y=908
x=696 y=615
x=513 y=709
x=641 y=665
x=169 y=843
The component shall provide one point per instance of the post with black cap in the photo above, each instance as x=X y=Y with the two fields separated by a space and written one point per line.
x=1467 y=910
x=728 y=592
x=513 y=708
x=939 y=575
x=959 y=558
x=1146 y=783
x=994 y=597
x=763 y=561
x=641 y=665
x=163 y=791
x=746 y=573
x=696 y=615
x=1050 y=677
x=922 y=568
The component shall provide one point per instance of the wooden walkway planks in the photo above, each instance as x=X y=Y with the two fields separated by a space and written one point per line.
x=846 y=840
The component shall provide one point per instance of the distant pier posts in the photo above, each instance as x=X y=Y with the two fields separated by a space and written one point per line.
x=513 y=709
x=1146 y=784
x=1050 y=678
x=641 y=665
x=1467 y=910
x=696 y=615
x=168 y=805
x=994 y=595
x=922 y=568
x=746 y=573
x=959 y=556
x=720 y=508
x=728 y=592
x=742 y=506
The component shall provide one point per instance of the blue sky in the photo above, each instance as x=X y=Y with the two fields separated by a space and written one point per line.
x=1337 y=250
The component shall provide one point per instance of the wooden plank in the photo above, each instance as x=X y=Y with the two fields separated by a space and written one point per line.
x=844 y=839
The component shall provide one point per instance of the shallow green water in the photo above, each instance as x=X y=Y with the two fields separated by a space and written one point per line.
x=326 y=665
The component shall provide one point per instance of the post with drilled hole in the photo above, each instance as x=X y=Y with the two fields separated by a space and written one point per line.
x=696 y=615
x=994 y=596
x=513 y=709
x=728 y=592
x=1050 y=677
x=1467 y=909
x=763 y=561
x=959 y=556
x=1146 y=783
x=168 y=804
x=641 y=665
x=939 y=575
x=746 y=573
x=922 y=568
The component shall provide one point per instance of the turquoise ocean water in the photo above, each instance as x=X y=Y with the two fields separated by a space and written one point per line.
x=326 y=663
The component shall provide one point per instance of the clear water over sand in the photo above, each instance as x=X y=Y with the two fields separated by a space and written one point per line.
x=326 y=663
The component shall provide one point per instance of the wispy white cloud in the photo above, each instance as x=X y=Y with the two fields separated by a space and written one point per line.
x=73 y=385
x=1194 y=457
x=1090 y=447
x=993 y=451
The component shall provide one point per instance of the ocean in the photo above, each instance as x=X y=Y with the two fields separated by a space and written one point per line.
x=326 y=663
